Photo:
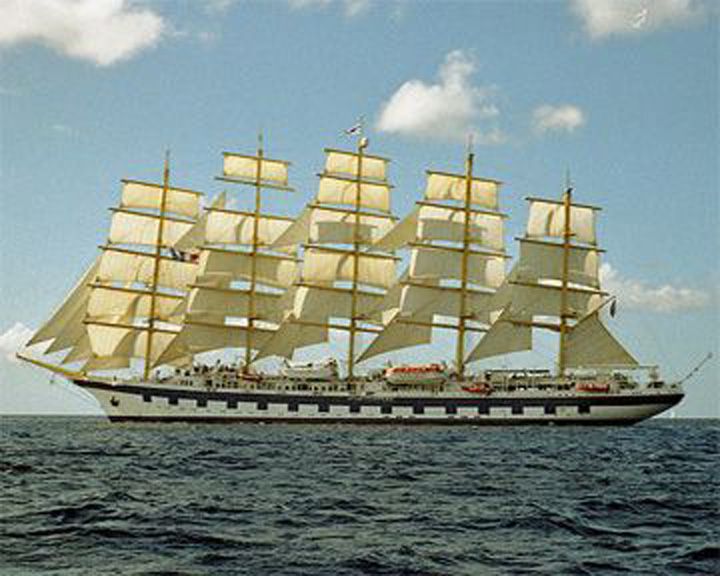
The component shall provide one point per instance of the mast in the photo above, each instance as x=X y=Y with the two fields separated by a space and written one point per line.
x=156 y=266
x=460 y=352
x=356 y=259
x=344 y=274
x=457 y=261
x=556 y=277
x=239 y=246
x=129 y=303
x=567 y=235
x=253 y=265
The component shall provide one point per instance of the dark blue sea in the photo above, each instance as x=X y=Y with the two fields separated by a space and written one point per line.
x=83 y=496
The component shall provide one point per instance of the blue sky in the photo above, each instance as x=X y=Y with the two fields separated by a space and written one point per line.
x=623 y=94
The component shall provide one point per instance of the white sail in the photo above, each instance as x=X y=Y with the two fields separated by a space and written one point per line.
x=443 y=186
x=444 y=301
x=195 y=237
x=110 y=301
x=589 y=343
x=128 y=266
x=317 y=303
x=234 y=227
x=546 y=300
x=328 y=226
x=72 y=332
x=325 y=265
x=398 y=334
x=290 y=336
x=81 y=349
x=296 y=233
x=440 y=223
x=75 y=301
x=147 y=195
x=547 y=218
x=242 y=167
x=138 y=228
x=197 y=337
x=277 y=271
x=404 y=232
x=348 y=164
x=543 y=260
x=435 y=262
x=503 y=337
x=234 y=302
x=336 y=190
x=123 y=341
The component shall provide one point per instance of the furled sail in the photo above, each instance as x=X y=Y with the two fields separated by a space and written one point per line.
x=457 y=260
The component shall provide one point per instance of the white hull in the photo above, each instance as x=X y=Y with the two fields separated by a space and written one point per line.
x=147 y=402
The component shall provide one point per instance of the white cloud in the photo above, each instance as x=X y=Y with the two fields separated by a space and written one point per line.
x=638 y=295
x=564 y=118
x=218 y=6
x=101 y=31
x=602 y=18
x=350 y=7
x=13 y=340
x=449 y=109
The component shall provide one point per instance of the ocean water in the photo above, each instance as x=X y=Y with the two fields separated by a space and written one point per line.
x=83 y=496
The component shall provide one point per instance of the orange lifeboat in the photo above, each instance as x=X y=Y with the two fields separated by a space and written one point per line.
x=480 y=388
x=593 y=387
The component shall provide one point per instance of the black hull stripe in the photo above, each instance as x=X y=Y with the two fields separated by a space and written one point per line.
x=375 y=421
x=367 y=401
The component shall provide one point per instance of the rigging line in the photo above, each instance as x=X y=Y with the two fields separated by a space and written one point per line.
x=697 y=368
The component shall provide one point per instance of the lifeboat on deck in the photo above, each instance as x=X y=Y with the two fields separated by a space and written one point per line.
x=417 y=374
x=593 y=387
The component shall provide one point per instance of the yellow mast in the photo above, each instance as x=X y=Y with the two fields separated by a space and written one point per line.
x=567 y=235
x=253 y=260
x=460 y=351
x=156 y=266
x=356 y=261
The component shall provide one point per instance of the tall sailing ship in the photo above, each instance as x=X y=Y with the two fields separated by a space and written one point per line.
x=176 y=282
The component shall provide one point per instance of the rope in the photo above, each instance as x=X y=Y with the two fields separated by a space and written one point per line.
x=697 y=368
